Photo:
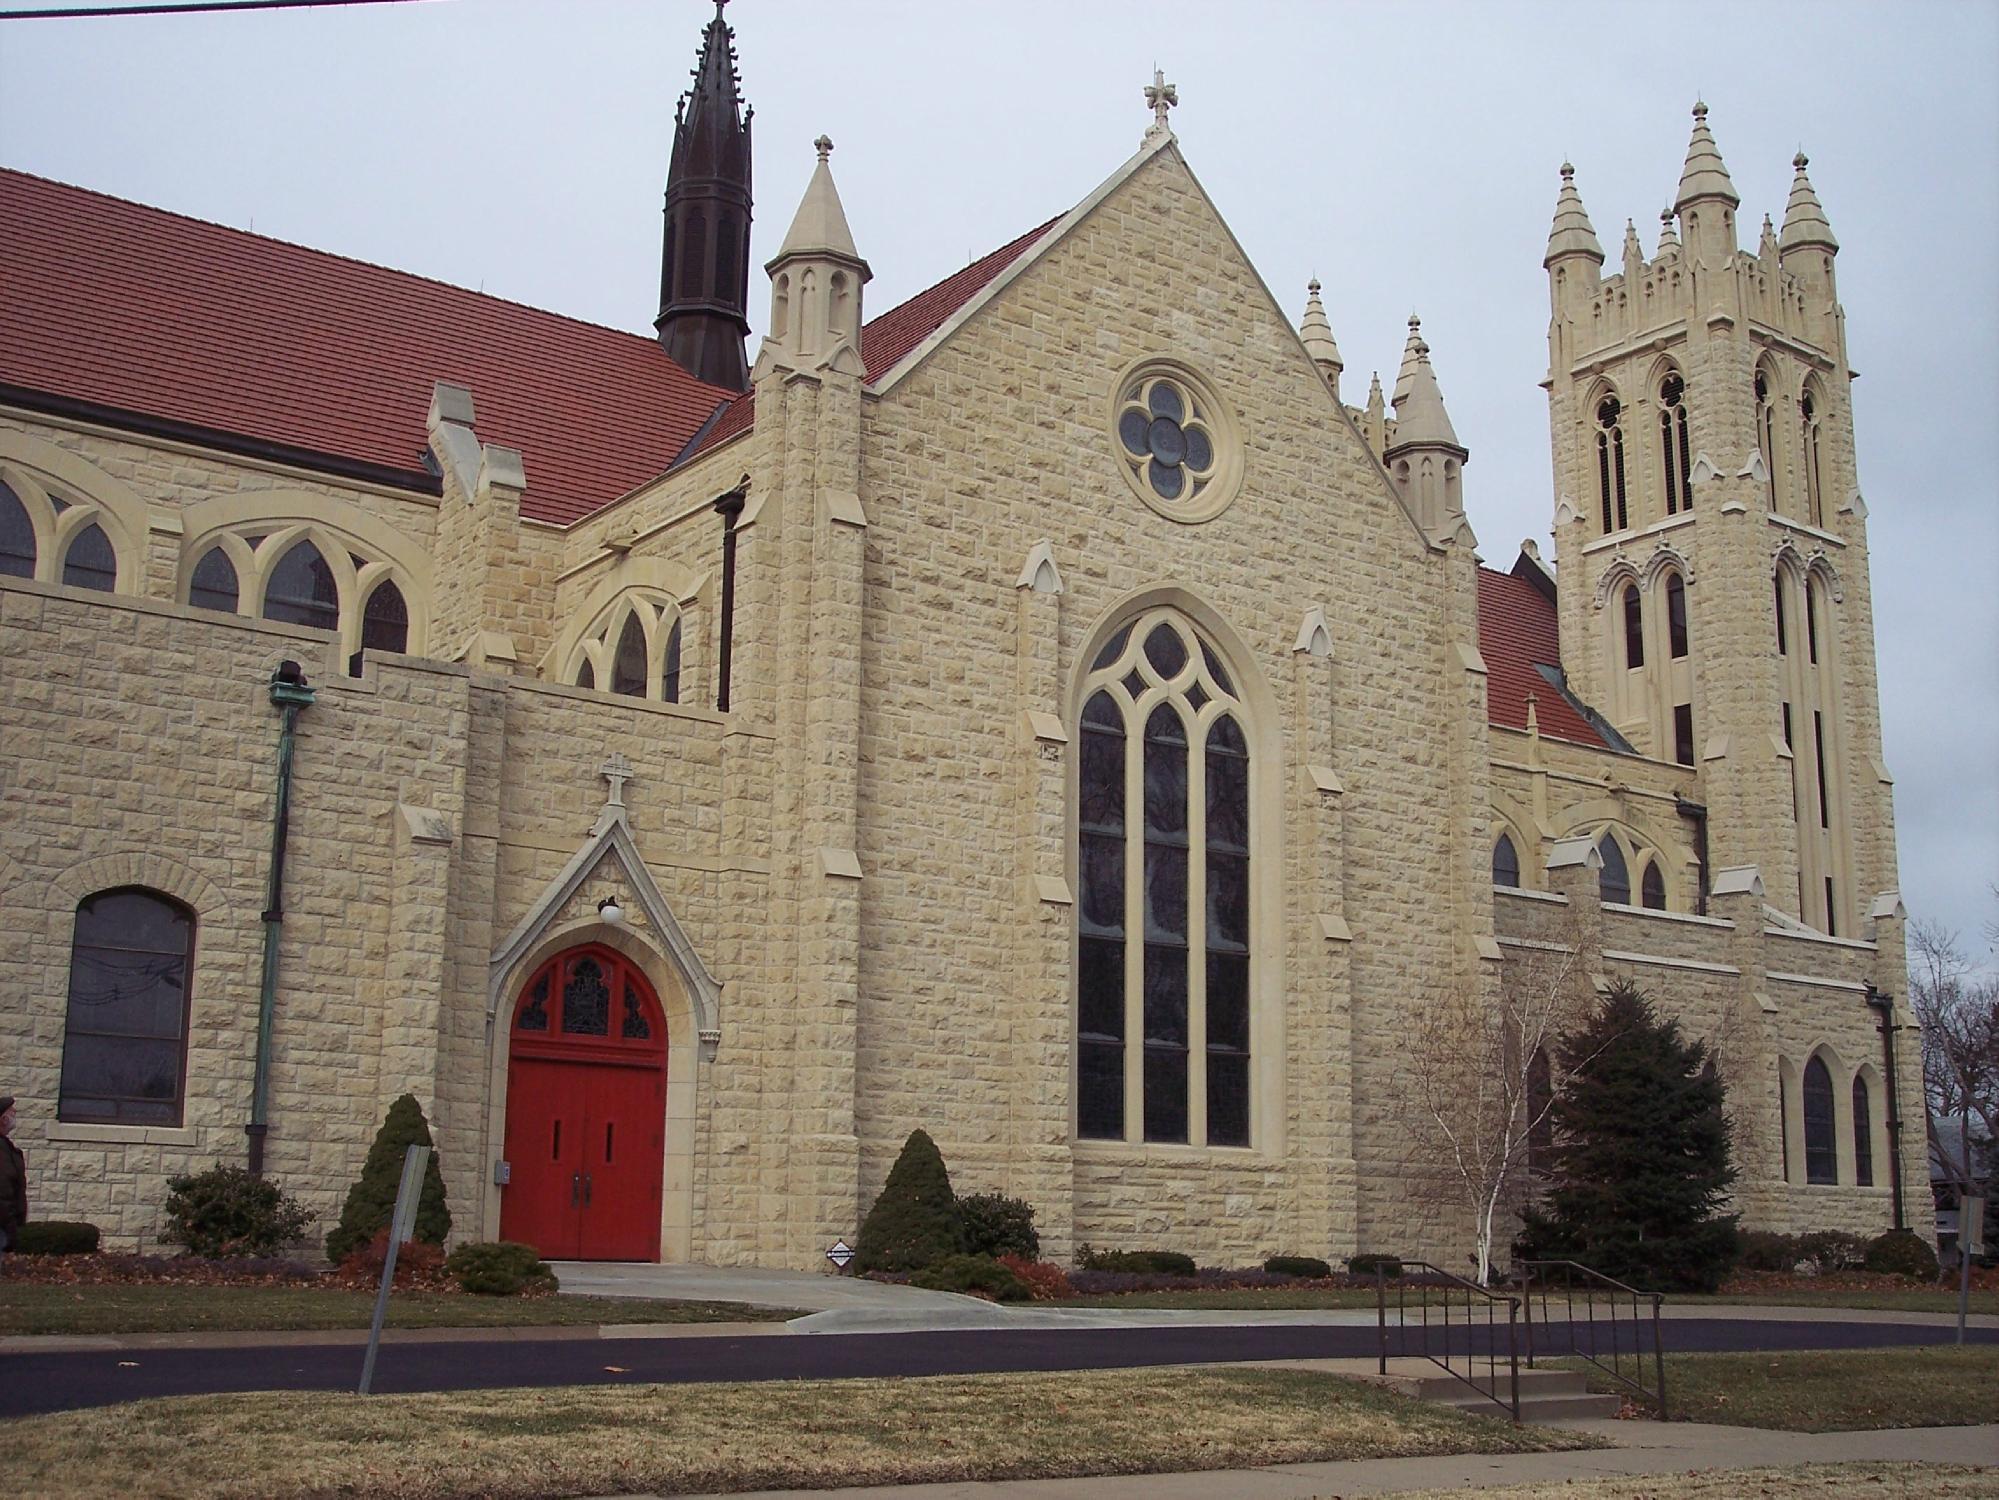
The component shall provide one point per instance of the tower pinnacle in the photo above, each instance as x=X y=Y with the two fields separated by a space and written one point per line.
x=1318 y=336
x=1805 y=222
x=704 y=266
x=1572 y=233
x=1704 y=175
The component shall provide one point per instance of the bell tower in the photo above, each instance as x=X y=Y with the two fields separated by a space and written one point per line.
x=1714 y=596
x=704 y=275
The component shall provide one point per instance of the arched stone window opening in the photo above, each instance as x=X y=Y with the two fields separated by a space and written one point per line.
x=1652 y=888
x=1821 y=1142
x=90 y=562
x=1766 y=435
x=213 y=584
x=1676 y=457
x=1676 y=615
x=1634 y=628
x=385 y=624
x=1809 y=407
x=1610 y=464
x=628 y=662
x=303 y=590
x=17 y=535
x=1614 y=880
x=1863 y=1134
x=1505 y=862
x=634 y=649
x=124 y=1057
x=1163 y=902
x=1783 y=632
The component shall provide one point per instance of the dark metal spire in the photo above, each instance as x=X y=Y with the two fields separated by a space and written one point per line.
x=705 y=266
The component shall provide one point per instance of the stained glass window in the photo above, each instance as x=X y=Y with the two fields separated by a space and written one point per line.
x=90 y=563
x=385 y=624
x=1863 y=1136
x=586 y=1000
x=636 y=1028
x=1505 y=862
x=534 y=1014
x=213 y=583
x=303 y=590
x=628 y=667
x=1614 y=883
x=1821 y=1145
x=17 y=535
x=131 y=954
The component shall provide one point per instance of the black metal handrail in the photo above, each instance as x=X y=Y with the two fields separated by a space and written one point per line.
x=1448 y=1303
x=1612 y=1314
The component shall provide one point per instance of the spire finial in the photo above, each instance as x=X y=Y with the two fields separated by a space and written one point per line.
x=1804 y=217
x=1571 y=233
x=1700 y=110
x=1160 y=96
x=822 y=144
x=1704 y=175
x=1568 y=172
x=1317 y=335
x=1801 y=161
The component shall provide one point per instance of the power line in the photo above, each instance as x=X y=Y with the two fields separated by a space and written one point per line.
x=181 y=7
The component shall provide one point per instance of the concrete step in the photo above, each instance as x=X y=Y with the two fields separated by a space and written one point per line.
x=1546 y=1410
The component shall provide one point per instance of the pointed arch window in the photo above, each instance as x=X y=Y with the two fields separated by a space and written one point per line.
x=1652 y=888
x=1821 y=1145
x=1610 y=464
x=125 y=1029
x=1614 y=881
x=90 y=563
x=1863 y=1135
x=1808 y=448
x=1163 y=862
x=628 y=663
x=669 y=674
x=1766 y=436
x=633 y=648
x=213 y=584
x=1676 y=457
x=1505 y=862
x=1634 y=628
x=1676 y=615
x=302 y=590
x=385 y=624
x=17 y=535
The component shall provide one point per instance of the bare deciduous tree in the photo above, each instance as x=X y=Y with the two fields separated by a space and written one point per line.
x=1958 y=1007
x=1474 y=1094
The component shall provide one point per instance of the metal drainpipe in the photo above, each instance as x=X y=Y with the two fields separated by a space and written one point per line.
x=1697 y=813
x=1884 y=1005
x=290 y=692
x=728 y=507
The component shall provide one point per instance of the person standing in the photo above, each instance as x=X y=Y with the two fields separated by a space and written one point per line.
x=13 y=1180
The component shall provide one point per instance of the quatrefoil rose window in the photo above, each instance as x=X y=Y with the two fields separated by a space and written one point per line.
x=1177 y=440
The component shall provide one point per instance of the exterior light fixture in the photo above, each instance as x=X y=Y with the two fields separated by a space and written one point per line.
x=610 y=911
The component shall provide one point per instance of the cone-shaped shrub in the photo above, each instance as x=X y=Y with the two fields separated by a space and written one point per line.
x=915 y=1222
x=371 y=1202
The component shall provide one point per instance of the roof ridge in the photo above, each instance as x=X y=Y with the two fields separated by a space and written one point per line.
x=1020 y=239
x=335 y=255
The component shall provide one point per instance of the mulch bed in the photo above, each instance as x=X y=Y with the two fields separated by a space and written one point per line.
x=426 y=1275
x=1787 y=1283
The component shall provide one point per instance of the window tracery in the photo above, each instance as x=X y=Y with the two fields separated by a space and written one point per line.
x=1164 y=903
x=1675 y=455
x=1610 y=464
x=634 y=648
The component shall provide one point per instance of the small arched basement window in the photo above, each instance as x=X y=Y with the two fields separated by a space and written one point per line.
x=1614 y=881
x=1821 y=1145
x=1505 y=862
x=90 y=563
x=17 y=536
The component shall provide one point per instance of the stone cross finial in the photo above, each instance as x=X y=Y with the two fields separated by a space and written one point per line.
x=617 y=771
x=824 y=146
x=1160 y=96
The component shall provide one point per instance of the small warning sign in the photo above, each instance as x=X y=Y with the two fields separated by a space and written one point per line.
x=840 y=1254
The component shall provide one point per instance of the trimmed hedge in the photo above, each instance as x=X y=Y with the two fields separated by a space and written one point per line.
x=973 y=1273
x=915 y=1221
x=226 y=1211
x=55 y=1237
x=998 y=1225
x=1367 y=1265
x=1901 y=1252
x=499 y=1268
x=1139 y=1262
x=1298 y=1265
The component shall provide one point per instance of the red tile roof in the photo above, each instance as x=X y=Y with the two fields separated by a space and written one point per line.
x=887 y=339
x=134 y=310
x=1516 y=630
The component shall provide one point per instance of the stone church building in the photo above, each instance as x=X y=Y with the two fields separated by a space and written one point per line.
x=1044 y=712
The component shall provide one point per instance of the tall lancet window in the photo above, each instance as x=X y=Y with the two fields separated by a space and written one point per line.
x=1610 y=464
x=1808 y=454
x=1163 y=1033
x=1766 y=436
x=1675 y=455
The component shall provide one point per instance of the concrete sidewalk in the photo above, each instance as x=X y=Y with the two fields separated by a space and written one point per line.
x=1637 y=1448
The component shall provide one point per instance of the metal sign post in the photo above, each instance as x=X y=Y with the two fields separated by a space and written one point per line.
x=401 y=1223
x=1970 y=1242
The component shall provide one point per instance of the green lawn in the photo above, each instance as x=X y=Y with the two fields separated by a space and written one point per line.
x=609 y=1439
x=34 y=1307
x=1914 y=1299
x=1841 y=1390
x=1248 y=1297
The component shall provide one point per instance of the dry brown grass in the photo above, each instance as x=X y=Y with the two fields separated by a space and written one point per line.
x=1816 y=1481
x=510 y=1445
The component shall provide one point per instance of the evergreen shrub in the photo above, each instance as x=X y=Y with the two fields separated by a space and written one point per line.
x=1641 y=1165
x=1902 y=1252
x=499 y=1268
x=1139 y=1262
x=371 y=1202
x=1833 y=1250
x=915 y=1220
x=998 y=1225
x=1298 y=1265
x=55 y=1237
x=226 y=1211
x=1367 y=1265
x=973 y=1274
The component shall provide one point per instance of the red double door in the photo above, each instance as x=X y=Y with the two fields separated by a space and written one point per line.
x=586 y=1111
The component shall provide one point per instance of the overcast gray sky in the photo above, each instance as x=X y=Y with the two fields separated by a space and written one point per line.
x=1405 y=154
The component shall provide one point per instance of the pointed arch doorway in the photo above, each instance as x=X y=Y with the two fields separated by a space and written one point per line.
x=586 y=1110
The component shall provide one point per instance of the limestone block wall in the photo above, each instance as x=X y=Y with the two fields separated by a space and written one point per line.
x=138 y=746
x=1003 y=438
